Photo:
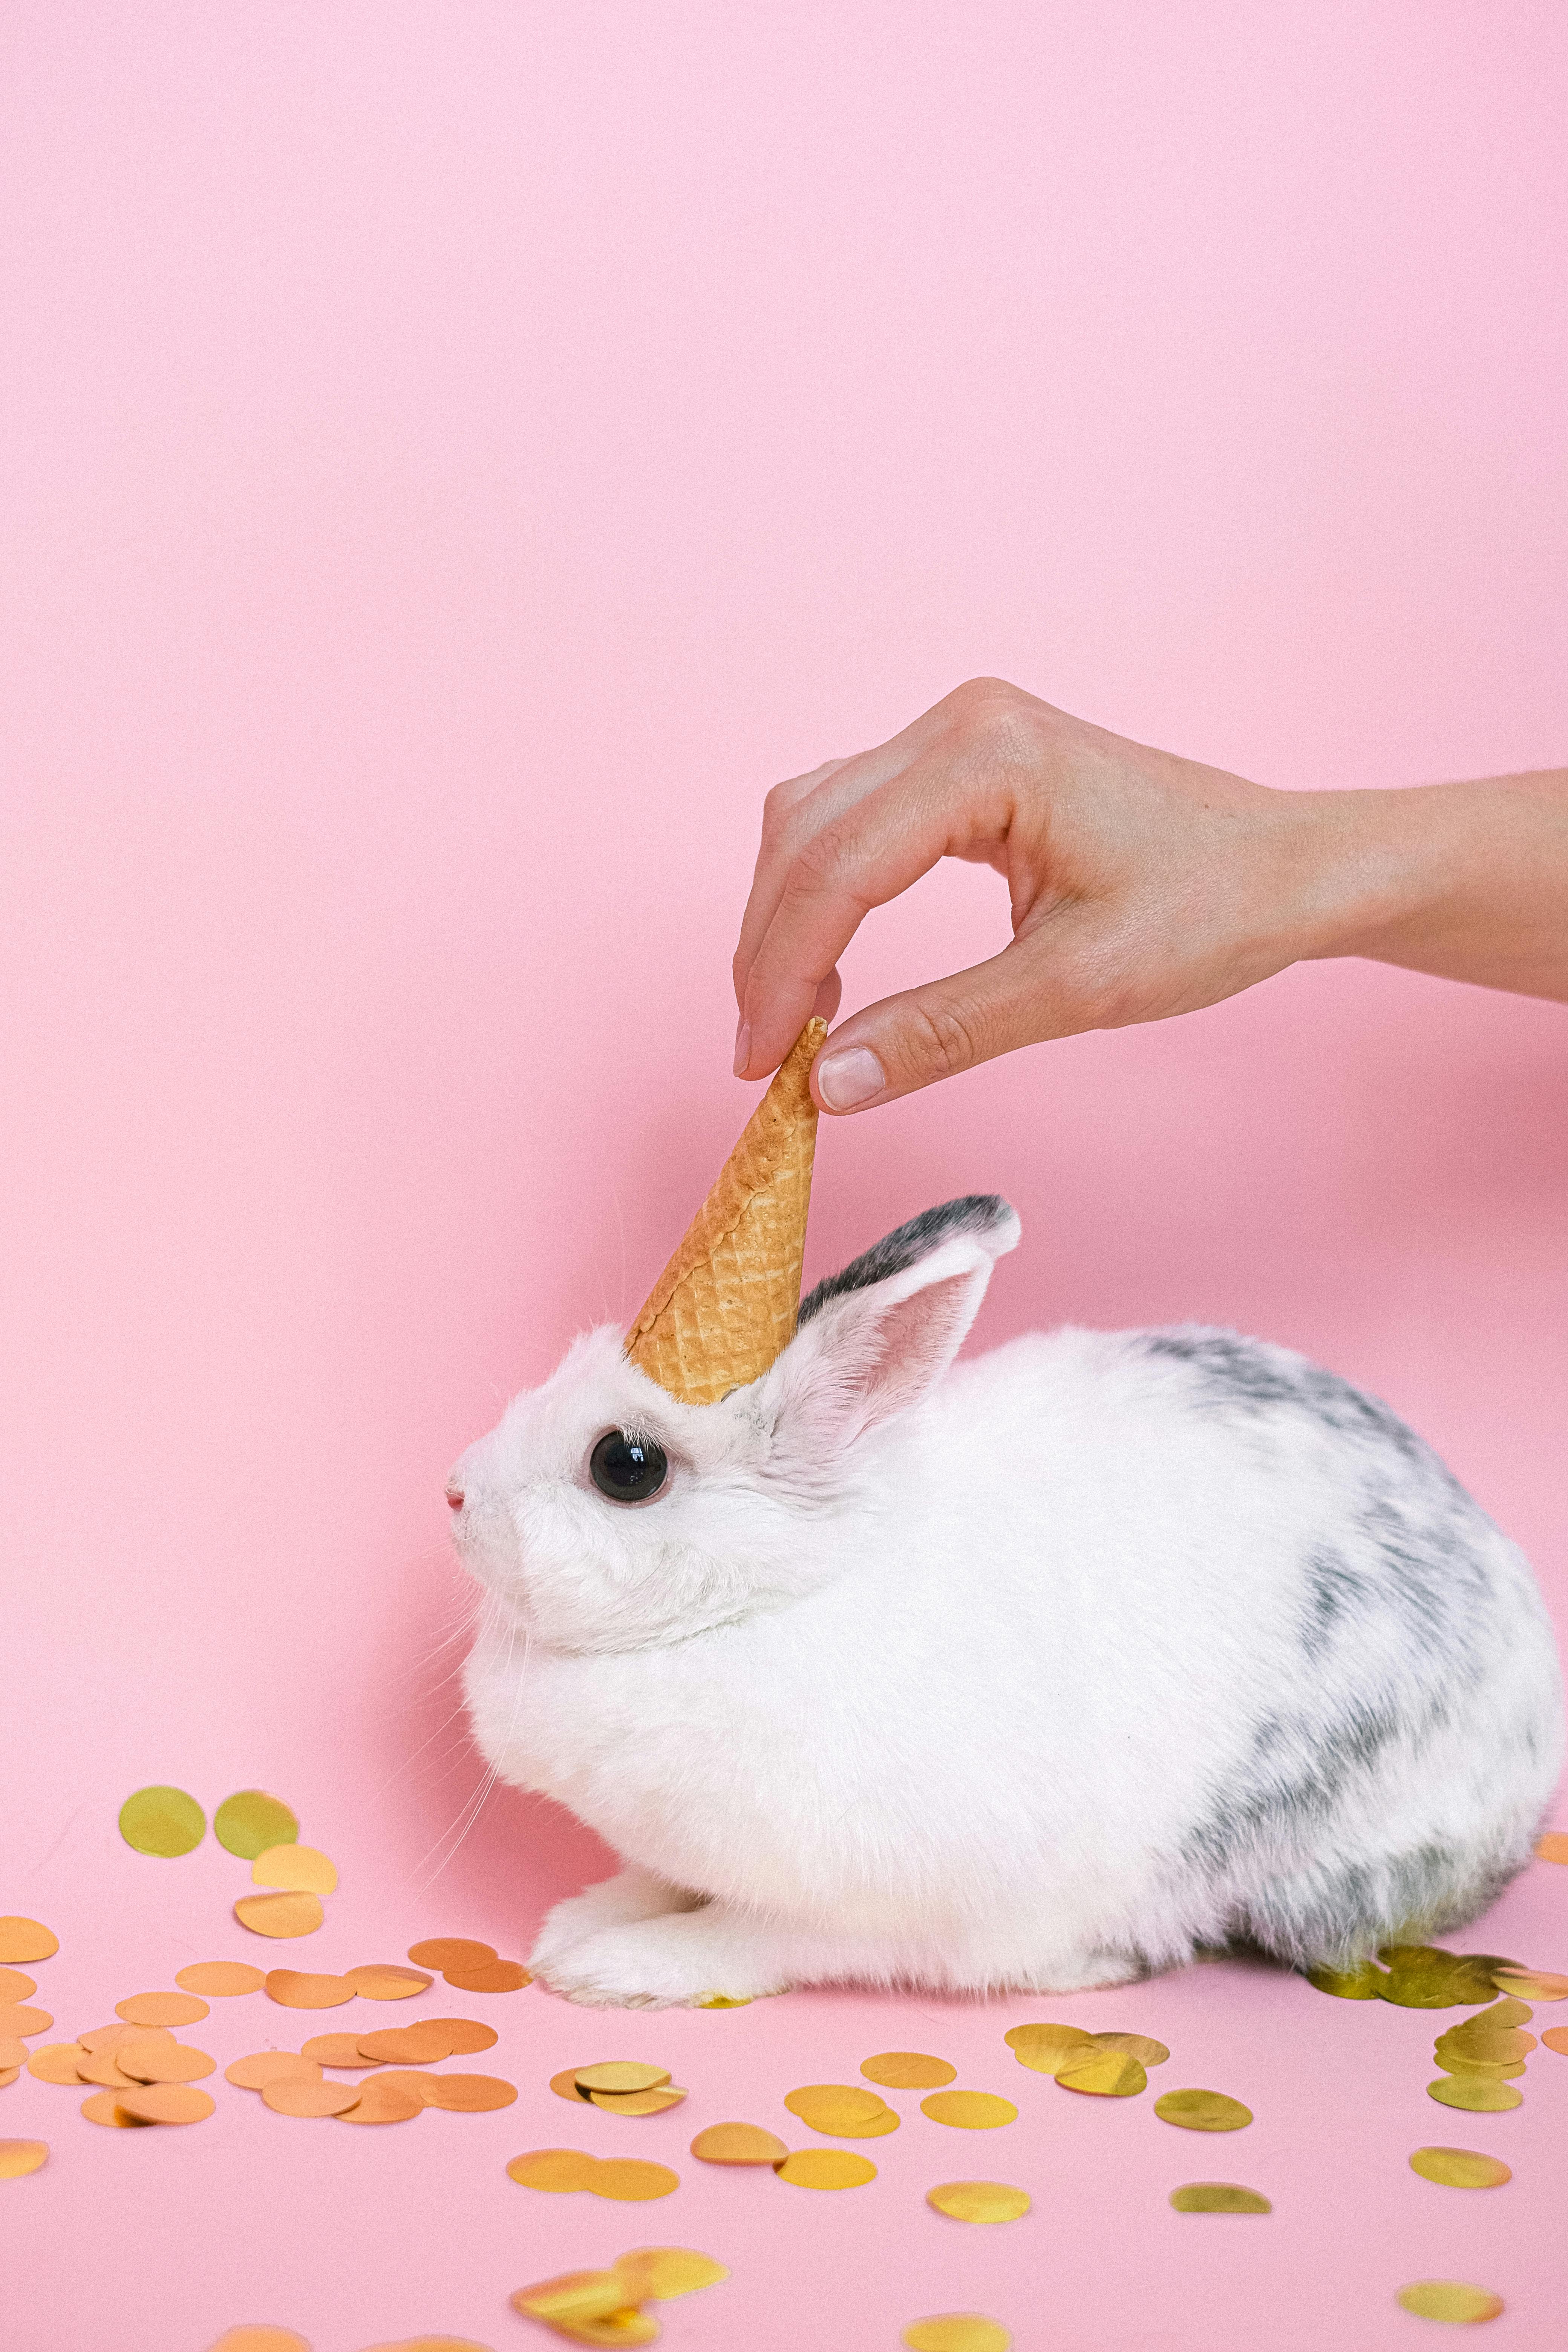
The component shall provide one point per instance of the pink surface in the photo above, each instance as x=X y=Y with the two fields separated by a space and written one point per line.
x=458 y=459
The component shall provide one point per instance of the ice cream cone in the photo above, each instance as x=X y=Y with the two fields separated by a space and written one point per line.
x=726 y=1302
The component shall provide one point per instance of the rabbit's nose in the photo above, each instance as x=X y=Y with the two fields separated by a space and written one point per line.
x=454 y=1496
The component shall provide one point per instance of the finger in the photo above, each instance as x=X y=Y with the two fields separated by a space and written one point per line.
x=1032 y=991
x=783 y=829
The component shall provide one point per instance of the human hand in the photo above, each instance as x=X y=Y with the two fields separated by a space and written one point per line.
x=1141 y=885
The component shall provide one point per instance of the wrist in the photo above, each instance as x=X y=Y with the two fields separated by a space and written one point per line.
x=1362 y=867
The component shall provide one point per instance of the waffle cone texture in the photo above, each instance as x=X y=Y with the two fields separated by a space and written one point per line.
x=726 y=1303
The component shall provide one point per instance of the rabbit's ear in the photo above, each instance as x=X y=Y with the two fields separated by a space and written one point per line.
x=872 y=1340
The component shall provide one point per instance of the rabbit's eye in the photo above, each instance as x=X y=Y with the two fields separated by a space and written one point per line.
x=628 y=1469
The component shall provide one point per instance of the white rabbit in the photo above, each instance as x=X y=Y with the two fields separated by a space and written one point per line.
x=1035 y=1672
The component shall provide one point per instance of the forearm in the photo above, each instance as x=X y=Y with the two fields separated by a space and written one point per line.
x=1469 y=881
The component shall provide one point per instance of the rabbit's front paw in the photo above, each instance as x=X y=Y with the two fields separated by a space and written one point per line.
x=633 y=1895
x=657 y=1964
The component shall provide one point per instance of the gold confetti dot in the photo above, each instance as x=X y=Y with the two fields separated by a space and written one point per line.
x=163 y=1821
x=628 y=2181
x=723 y=2001
x=1042 y=2048
x=582 y=2306
x=1556 y=2038
x=1459 y=2167
x=638 y=2103
x=379 y=1981
x=291 y=2094
x=558 y=2171
x=956 y=2331
x=825 y=2168
x=147 y=2058
x=383 y=2101
x=259 y=2340
x=166 y=2102
x=738 y=2143
x=102 y=2108
x=1479 y=2094
x=1103 y=2074
x=220 y=1980
x=1141 y=2046
x=1208 y=2111
x=250 y=1821
x=1531 y=1984
x=161 y=2009
x=15 y=1985
x=1497 y=2046
x=26 y=1939
x=979 y=2201
x=623 y=2074
x=264 y=2066
x=1362 y=1983
x=494 y=1975
x=56 y=2064
x=1449 y=2299
x=1553 y=1847
x=444 y=1952
x=280 y=1915
x=470 y=2095
x=299 y=1989
x=969 y=2110
x=18 y=2018
x=843 y=2109
x=659 y=2274
x=298 y=1869
x=908 y=2069
x=1218 y=2197
x=18 y=2157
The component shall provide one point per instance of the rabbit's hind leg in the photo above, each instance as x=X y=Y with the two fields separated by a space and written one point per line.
x=631 y=1895
x=677 y=1959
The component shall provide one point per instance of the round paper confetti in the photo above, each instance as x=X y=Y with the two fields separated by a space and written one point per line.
x=638 y=2103
x=26 y=1939
x=264 y=2066
x=468 y=2094
x=825 y=2168
x=163 y=1821
x=250 y=1821
x=220 y=1980
x=956 y=2331
x=723 y=2001
x=407 y=2045
x=979 y=2201
x=1102 y=2073
x=842 y=2108
x=908 y=2069
x=444 y=1952
x=379 y=1981
x=280 y=1915
x=18 y=2157
x=496 y=1976
x=464 y=2035
x=1460 y=2168
x=1498 y=2046
x=108 y=2037
x=56 y=2064
x=337 y=2049
x=564 y=2086
x=1531 y=1984
x=623 y=2074
x=1449 y=2299
x=14 y=2054
x=148 y=2058
x=1553 y=1847
x=381 y=2101
x=969 y=2110
x=1141 y=2046
x=103 y=2066
x=1362 y=1983
x=261 y=2339
x=18 y=2018
x=166 y=2102
x=15 y=1985
x=738 y=2143
x=1556 y=2038
x=1043 y=2047
x=161 y=2009
x=301 y=1869
x=299 y=1989
x=1218 y=2197
x=1479 y=2094
x=9 y=2074
x=103 y=2108
x=628 y=2181
x=557 y=2169
x=291 y=2095
x=1208 y=2111
x=431 y=2343
x=662 y=2273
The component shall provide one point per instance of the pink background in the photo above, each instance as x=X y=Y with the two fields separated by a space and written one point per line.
x=457 y=458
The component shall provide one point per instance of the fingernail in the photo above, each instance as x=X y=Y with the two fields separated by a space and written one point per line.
x=742 y=1047
x=845 y=1079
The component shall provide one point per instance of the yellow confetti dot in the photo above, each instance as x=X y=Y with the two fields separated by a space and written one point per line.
x=638 y=2103
x=280 y=1915
x=621 y=2074
x=979 y=2201
x=163 y=1821
x=842 y=2110
x=297 y=1869
x=738 y=2143
x=26 y=1939
x=1362 y=1983
x=261 y=2339
x=579 y=2301
x=1208 y=2111
x=957 y=2331
x=1218 y=2197
x=969 y=2110
x=558 y=2171
x=1141 y=2046
x=1449 y=2299
x=724 y=2000
x=1103 y=2074
x=1042 y=2048
x=825 y=2168
x=628 y=2181
x=1479 y=2094
x=662 y=2273
x=908 y=2069
x=1459 y=2167
x=18 y=2157
x=250 y=1821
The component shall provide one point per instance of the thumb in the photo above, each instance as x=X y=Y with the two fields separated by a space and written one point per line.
x=906 y=1042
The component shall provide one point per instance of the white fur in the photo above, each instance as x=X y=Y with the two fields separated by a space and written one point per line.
x=1039 y=1671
